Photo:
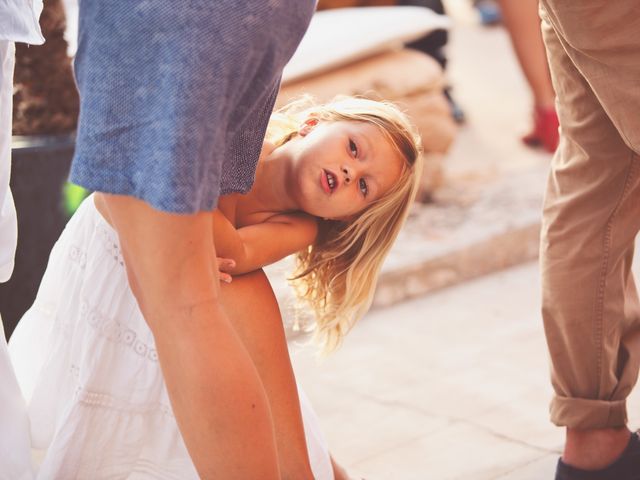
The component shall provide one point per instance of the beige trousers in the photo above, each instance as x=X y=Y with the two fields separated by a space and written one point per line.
x=591 y=216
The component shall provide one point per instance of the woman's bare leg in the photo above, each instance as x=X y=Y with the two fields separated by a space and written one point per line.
x=252 y=308
x=523 y=23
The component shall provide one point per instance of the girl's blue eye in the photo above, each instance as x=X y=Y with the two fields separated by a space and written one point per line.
x=363 y=187
x=353 y=147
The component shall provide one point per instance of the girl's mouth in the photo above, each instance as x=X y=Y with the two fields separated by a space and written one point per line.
x=329 y=181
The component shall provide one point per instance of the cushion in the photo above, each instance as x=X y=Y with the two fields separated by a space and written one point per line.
x=339 y=36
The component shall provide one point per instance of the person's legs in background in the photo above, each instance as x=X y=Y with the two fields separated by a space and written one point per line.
x=433 y=45
x=523 y=23
x=591 y=218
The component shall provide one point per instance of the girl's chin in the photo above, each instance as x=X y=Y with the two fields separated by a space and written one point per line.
x=313 y=206
x=314 y=211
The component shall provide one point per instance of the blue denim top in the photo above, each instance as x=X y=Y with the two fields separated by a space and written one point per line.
x=176 y=96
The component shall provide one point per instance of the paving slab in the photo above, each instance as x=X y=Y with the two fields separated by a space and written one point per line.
x=453 y=385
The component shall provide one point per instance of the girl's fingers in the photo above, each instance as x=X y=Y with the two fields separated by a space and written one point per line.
x=225 y=263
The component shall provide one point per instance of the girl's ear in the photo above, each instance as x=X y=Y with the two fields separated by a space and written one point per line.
x=307 y=126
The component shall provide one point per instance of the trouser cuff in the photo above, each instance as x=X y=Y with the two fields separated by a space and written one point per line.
x=582 y=413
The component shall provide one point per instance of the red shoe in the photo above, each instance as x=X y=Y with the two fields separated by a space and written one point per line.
x=545 y=130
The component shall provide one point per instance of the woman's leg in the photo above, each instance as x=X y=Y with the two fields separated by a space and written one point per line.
x=522 y=20
x=591 y=219
x=252 y=308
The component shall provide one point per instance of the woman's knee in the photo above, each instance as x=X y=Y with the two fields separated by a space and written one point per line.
x=249 y=294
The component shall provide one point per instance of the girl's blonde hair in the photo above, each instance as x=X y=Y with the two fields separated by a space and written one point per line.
x=337 y=275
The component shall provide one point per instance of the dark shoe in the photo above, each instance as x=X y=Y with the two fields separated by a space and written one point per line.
x=627 y=467
x=456 y=112
x=545 y=132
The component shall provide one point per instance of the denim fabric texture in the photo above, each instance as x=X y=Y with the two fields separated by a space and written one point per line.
x=176 y=96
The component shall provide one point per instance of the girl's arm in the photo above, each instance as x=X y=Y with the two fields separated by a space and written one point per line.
x=255 y=246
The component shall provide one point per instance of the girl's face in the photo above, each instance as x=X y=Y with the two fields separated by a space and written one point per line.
x=342 y=167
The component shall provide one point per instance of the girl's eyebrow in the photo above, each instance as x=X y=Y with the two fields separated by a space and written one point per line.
x=362 y=139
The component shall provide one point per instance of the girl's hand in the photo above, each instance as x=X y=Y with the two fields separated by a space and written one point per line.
x=225 y=264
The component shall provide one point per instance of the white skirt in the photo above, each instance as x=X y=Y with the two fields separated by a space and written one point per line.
x=86 y=362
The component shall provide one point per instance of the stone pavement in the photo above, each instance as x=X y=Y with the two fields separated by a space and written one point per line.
x=453 y=385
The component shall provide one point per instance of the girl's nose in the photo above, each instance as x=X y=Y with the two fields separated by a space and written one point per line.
x=348 y=174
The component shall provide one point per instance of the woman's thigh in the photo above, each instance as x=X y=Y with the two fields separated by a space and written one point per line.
x=253 y=310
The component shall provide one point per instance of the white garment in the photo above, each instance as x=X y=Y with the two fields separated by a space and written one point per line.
x=15 y=448
x=87 y=365
x=18 y=23
x=8 y=222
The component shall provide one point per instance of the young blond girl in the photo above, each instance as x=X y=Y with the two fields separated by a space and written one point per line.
x=333 y=185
